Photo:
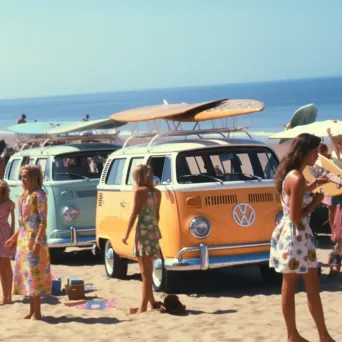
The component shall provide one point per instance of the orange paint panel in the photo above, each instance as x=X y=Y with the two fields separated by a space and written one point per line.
x=113 y=215
x=225 y=230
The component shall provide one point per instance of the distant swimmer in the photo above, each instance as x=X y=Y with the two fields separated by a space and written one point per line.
x=86 y=118
x=22 y=119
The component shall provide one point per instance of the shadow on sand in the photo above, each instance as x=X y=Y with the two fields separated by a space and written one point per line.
x=85 y=320
x=231 y=282
x=77 y=257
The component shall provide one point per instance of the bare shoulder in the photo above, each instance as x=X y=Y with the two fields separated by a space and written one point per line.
x=141 y=192
x=296 y=179
x=11 y=203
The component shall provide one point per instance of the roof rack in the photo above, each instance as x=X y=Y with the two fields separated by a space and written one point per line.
x=199 y=132
x=43 y=140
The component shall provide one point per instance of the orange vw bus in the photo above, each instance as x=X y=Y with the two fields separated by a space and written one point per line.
x=219 y=204
x=218 y=209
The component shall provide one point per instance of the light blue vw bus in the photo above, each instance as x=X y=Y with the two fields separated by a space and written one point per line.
x=71 y=175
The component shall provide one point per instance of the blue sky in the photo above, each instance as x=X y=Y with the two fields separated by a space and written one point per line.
x=82 y=46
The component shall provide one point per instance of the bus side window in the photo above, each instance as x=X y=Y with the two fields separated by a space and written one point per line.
x=45 y=166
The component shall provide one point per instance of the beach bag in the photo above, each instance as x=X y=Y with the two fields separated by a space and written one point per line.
x=172 y=305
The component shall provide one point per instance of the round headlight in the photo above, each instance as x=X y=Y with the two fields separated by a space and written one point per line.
x=71 y=214
x=279 y=217
x=200 y=227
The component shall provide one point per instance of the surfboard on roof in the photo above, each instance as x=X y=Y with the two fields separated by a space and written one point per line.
x=85 y=126
x=43 y=128
x=35 y=128
x=225 y=109
x=191 y=112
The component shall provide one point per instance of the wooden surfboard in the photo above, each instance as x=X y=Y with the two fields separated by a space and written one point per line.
x=227 y=108
x=165 y=111
x=327 y=169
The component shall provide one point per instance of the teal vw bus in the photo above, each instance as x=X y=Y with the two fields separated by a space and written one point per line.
x=71 y=174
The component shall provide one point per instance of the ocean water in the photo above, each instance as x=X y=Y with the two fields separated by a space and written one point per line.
x=281 y=99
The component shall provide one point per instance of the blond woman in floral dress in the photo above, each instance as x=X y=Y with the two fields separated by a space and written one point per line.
x=32 y=275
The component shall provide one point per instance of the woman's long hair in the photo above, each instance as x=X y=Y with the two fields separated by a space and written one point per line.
x=5 y=191
x=294 y=159
x=140 y=175
x=34 y=172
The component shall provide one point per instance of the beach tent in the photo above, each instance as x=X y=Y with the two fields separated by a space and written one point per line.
x=319 y=128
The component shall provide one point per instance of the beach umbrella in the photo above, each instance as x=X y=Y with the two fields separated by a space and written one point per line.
x=319 y=128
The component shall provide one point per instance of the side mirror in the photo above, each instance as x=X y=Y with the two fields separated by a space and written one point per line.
x=156 y=180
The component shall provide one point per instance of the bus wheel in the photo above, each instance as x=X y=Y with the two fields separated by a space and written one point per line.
x=115 y=266
x=163 y=280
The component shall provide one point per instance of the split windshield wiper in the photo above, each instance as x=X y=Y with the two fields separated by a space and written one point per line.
x=204 y=175
x=72 y=174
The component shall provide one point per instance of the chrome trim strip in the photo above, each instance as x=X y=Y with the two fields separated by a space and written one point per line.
x=194 y=264
x=218 y=248
x=73 y=238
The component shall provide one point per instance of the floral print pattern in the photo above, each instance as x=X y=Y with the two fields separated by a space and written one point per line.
x=5 y=228
x=147 y=233
x=32 y=276
x=293 y=246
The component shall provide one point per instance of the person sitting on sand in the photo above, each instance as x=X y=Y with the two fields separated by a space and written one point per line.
x=293 y=250
x=32 y=276
x=22 y=119
x=147 y=234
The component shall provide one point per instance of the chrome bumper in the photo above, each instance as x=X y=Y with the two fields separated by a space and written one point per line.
x=59 y=238
x=205 y=262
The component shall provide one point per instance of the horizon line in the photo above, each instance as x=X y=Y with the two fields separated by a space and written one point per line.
x=170 y=87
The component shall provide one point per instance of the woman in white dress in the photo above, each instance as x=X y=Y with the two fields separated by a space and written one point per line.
x=293 y=245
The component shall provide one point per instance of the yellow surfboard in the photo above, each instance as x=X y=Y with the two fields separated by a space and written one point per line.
x=168 y=111
x=326 y=168
x=224 y=109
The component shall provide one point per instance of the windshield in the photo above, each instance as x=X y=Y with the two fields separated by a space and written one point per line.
x=226 y=165
x=83 y=165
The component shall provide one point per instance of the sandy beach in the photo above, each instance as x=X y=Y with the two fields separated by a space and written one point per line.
x=230 y=305
x=224 y=305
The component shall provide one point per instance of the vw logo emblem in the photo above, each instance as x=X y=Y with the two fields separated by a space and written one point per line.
x=244 y=214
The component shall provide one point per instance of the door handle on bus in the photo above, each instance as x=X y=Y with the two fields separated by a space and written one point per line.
x=122 y=203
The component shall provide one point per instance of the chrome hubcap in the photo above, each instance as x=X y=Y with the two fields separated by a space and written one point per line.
x=109 y=260
x=157 y=272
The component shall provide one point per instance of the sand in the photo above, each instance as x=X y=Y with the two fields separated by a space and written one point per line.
x=229 y=305
x=223 y=305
